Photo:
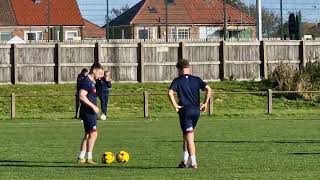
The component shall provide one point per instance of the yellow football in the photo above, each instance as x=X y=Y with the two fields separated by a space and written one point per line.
x=122 y=157
x=107 y=158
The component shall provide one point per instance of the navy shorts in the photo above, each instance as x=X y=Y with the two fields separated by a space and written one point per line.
x=188 y=119
x=89 y=122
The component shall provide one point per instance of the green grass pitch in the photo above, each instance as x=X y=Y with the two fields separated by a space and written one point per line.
x=239 y=142
x=228 y=148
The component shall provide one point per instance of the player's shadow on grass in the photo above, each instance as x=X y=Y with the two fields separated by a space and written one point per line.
x=57 y=164
x=304 y=154
x=20 y=161
x=83 y=166
x=256 y=142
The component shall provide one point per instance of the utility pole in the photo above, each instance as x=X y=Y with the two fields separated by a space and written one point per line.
x=107 y=25
x=167 y=14
x=317 y=20
x=281 y=14
x=225 y=23
x=48 y=20
x=259 y=20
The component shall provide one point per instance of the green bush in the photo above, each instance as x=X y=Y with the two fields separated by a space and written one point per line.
x=286 y=78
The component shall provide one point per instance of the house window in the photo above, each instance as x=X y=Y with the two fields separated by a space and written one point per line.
x=180 y=33
x=71 y=35
x=5 y=36
x=143 y=34
x=33 y=35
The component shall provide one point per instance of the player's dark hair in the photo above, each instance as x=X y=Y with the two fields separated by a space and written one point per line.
x=95 y=66
x=182 y=63
x=83 y=71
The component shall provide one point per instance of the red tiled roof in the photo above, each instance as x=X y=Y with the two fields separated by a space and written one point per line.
x=91 y=30
x=7 y=17
x=187 y=12
x=62 y=12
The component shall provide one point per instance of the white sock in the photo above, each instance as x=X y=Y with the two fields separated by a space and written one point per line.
x=193 y=160
x=185 y=156
x=89 y=155
x=82 y=154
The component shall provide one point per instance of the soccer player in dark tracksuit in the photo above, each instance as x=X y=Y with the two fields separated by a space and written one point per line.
x=88 y=112
x=188 y=89
x=82 y=74
x=103 y=86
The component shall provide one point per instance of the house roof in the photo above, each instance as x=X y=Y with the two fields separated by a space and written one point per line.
x=7 y=16
x=126 y=17
x=91 y=30
x=62 y=12
x=182 y=12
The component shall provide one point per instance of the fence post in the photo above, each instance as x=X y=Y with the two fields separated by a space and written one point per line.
x=15 y=64
x=269 y=101
x=97 y=52
x=211 y=101
x=222 y=57
x=59 y=58
x=13 y=106
x=303 y=53
x=264 y=60
x=180 y=50
x=146 y=104
x=140 y=63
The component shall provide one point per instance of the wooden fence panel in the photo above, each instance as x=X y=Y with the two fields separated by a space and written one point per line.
x=73 y=58
x=282 y=52
x=242 y=60
x=151 y=62
x=158 y=62
x=312 y=53
x=5 y=64
x=204 y=59
x=121 y=60
x=34 y=63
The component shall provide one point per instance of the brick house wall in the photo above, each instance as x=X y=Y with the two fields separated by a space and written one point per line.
x=131 y=32
x=20 y=31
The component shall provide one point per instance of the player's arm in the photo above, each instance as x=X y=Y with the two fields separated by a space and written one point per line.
x=173 y=100
x=208 y=91
x=108 y=83
x=84 y=99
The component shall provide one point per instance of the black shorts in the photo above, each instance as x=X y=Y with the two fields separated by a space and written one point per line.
x=89 y=122
x=188 y=119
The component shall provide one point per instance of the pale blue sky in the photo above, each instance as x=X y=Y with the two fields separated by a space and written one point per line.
x=95 y=10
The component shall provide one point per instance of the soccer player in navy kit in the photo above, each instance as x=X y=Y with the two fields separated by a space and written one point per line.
x=88 y=112
x=188 y=89
x=103 y=86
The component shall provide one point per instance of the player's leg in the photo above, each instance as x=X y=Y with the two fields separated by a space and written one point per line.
x=191 y=148
x=103 y=103
x=185 y=153
x=107 y=101
x=90 y=146
x=193 y=118
x=83 y=149
x=186 y=156
x=91 y=130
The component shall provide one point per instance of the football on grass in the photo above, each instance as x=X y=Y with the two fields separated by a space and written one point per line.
x=103 y=117
x=122 y=157
x=107 y=158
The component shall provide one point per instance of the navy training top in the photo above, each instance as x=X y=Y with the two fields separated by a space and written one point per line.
x=79 y=78
x=88 y=85
x=103 y=86
x=188 y=90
